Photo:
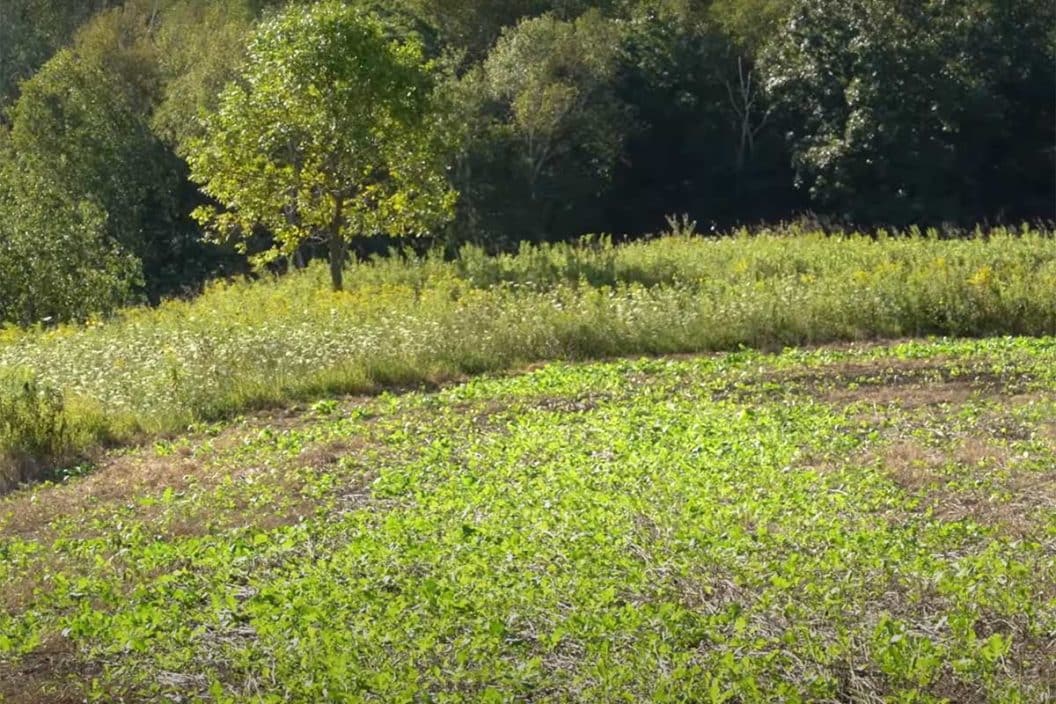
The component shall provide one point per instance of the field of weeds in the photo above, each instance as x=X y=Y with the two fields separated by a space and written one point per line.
x=858 y=523
x=407 y=321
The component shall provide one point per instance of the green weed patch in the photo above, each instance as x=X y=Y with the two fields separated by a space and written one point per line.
x=407 y=322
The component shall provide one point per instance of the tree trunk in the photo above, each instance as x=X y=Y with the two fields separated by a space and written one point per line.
x=338 y=248
x=337 y=261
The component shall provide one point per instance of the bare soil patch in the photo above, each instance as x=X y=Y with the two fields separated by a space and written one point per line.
x=1008 y=500
x=910 y=383
x=52 y=674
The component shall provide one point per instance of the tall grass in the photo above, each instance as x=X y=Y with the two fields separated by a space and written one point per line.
x=409 y=320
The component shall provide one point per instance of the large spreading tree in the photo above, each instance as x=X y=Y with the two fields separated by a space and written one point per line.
x=331 y=132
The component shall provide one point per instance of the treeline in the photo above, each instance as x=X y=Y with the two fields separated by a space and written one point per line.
x=131 y=129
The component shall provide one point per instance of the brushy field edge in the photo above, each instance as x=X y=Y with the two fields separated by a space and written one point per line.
x=408 y=321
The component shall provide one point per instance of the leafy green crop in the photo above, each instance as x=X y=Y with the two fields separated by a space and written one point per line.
x=852 y=524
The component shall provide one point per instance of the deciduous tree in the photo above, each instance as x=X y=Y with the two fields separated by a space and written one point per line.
x=57 y=262
x=901 y=111
x=329 y=133
x=557 y=126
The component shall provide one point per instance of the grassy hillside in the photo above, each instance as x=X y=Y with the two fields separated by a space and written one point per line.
x=406 y=322
x=851 y=524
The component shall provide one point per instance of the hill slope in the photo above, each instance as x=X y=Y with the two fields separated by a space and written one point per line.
x=843 y=524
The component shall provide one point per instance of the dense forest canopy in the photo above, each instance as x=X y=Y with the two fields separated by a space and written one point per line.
x=148 y=145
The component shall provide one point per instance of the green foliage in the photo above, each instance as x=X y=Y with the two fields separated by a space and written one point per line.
x=649 y=530
x=551 y=77
x=550 y=118
x=889 y=99
x=404 y=322
x=57 y=264
x=31 y=31
x=82 y=128
x=471 y=27
x=708 y=141
x=548 y=131
x=84 y=112
x=200 y=44
x=750 y=23
x=33 y=430
x=56 y=261
x=328 y=134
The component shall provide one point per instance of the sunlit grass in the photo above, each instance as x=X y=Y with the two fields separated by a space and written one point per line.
x=411 y=321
